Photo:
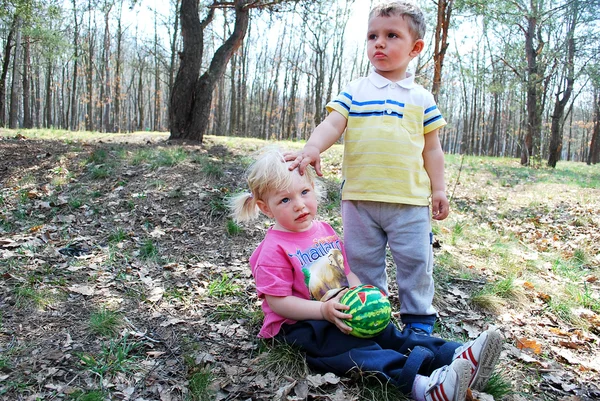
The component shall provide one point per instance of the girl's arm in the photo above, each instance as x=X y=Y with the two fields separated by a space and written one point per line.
x=292 y=307
x=433 y=157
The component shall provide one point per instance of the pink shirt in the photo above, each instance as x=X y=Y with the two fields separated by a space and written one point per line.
x=303 y=264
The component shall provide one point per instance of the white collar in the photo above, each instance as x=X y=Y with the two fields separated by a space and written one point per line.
x=381 y=82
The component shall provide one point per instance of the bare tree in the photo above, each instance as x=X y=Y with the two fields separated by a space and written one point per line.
x=191 y=97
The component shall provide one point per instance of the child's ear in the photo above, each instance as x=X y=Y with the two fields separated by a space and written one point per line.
x=417 y=47
x=263 y=207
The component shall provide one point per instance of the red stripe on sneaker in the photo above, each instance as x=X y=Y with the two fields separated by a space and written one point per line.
x=442 y=394
x=468 y=355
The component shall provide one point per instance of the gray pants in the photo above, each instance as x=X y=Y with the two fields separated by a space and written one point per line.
x=369 y=227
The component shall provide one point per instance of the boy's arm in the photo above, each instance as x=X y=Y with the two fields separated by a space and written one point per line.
x=353 y=279
x=433 y=157
x=325 y=135
x=295 y=308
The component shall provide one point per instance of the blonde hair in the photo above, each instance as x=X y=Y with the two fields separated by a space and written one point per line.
x=268 y=173
x=406 y=9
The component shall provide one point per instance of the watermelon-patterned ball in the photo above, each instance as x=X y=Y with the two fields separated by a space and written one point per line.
x=370 y=310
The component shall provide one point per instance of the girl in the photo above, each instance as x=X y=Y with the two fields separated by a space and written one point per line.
x=300 y=271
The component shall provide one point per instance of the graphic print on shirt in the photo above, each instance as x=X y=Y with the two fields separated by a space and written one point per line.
x=323 y=266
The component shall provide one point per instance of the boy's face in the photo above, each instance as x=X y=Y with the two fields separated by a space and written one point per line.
x=391 y=46
x=293 y=208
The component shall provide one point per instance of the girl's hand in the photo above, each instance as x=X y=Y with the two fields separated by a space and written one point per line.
x=333 y=312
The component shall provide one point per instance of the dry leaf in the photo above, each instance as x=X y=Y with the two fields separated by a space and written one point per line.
x=528 y=285
x=524 y=344
x=156 y=294
x=82 y=289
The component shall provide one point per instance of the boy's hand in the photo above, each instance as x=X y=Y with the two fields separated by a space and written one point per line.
x=332 y=311
x=440 y=207
x=308 y=155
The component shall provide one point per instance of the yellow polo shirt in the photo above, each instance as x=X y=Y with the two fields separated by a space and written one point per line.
x=384 y=139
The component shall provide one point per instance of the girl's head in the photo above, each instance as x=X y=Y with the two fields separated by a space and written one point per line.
x=281 y=194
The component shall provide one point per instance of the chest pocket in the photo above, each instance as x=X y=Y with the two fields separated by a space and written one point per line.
x=412 y=119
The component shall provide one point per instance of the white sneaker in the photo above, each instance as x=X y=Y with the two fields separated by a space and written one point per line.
x=483 y=354
x=450 y=382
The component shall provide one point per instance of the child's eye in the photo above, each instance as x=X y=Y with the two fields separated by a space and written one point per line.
x=305 y=192
x=285 y=200
x=371 y=37
x=392 y=35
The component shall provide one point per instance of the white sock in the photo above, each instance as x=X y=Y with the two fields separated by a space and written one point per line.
x=419 y=387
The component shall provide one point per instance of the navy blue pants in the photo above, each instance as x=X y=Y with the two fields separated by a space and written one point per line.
x=397 y=356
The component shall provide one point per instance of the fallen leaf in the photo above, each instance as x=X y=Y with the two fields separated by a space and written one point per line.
x=82 y=289
x=524 y=343
x=528 y=285
x=156 y=294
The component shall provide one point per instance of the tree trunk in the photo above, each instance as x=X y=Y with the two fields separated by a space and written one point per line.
x=594 y=153
x=444 y=12
x=556 y=130
x=5 y=65
x=183 y=95
x=190 y=121
x=157 y=91
x=89 y=74
x=116 y=125
x=13 y=114
x=106 y=123
x=27 y=117
x=74 y=126
x=534 y=118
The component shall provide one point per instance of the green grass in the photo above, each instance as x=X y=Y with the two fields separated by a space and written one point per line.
x=199 y=385
x=89 y=395
x=117 y=235
x=281 y=359
x=223 y=286
x=148 y=250
x=117 y=356
x=26 y=295
x=105 y=322
x=497 y=294
x=233 y=228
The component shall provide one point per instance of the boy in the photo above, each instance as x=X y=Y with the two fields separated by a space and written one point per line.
x=393 y=163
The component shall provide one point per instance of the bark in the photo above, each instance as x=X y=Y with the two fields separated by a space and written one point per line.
x=183 y=95
x=74 y=125
x=106 y=124
x=157 y=90
x=531 y=145
x=13 y=114
x=556 y=129
x=594 y=153
x=5 y=65
x=118 y=62
x=89 y=74
x=444 y=12
x=190 y=121
x=27 y=117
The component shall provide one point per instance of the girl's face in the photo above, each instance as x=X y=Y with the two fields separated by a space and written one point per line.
x=391 y=46
x=293 y=208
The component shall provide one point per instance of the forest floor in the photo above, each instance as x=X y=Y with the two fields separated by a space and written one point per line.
x=123 y=279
